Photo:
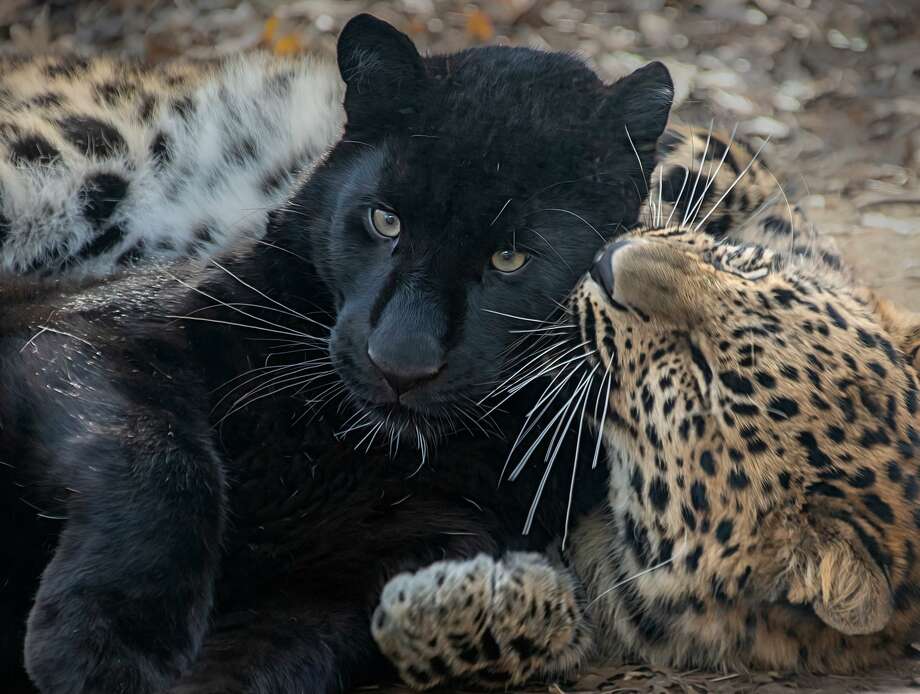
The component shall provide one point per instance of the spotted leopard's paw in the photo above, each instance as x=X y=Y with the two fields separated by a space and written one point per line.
x=481 y=621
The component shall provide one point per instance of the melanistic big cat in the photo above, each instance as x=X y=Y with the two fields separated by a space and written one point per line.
x=194 y=536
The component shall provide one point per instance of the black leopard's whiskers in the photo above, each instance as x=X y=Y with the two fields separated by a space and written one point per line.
x=477 y=417
x=581 y=423
x=511 y=387
x=504 y=207
x=533 y=418
x=550 y=246
x=568 y=412
x=578 y=217
x=276 y=328
x=258 y=372
x=263 y=242
x=296 y=378
x=608 y=377
x=359 y=420
x=370 y=436
x=422 y=442
x=265 y=296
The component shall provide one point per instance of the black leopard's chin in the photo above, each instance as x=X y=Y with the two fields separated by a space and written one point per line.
x=394 y=425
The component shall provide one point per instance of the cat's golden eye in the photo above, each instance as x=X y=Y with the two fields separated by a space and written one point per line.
x=384 y=222
x=509 y=260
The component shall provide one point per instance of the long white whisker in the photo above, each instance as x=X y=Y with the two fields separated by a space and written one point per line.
x=600 y=431
x=699 y=172
x=266 y=296
x=630 y=579
x=712 y=177
x=507 y=202
x=522 y=383
x=679 y=195
x=734 y=183
x=581 y=423
x=511 y=378
x=239 y=325
x=578 y=217
x=582 y=385
x=511 y=315
x=638 y=159
x=283 y=329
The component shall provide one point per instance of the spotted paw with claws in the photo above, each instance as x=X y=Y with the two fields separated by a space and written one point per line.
x=491 y=623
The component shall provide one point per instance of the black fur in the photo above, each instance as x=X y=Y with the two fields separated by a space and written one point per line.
x=146 y=512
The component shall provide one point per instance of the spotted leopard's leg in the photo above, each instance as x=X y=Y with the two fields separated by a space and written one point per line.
x=492 y=623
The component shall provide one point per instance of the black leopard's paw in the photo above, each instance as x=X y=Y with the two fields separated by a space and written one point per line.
x=105 y=639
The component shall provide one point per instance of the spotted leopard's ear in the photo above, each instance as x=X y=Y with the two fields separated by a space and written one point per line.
x=382 y=70
x=639 y=104
x=656 y=280
x=903 y=326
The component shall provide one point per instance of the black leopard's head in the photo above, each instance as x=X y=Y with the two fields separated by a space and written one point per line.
x=468 y=194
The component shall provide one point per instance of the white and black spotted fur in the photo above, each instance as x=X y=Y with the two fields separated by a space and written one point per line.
x=104 y=164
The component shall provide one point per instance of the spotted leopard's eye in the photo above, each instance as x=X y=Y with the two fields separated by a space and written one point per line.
x=384 y=222
x=509 y=261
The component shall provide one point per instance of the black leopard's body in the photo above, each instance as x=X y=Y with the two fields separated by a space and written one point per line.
x=190 y=542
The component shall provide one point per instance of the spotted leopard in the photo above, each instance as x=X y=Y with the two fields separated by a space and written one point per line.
x=761 y=430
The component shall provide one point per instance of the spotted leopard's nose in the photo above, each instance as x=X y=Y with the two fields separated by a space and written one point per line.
x=602 y=270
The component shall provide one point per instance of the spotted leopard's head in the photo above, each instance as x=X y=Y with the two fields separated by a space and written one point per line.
x=763 y=406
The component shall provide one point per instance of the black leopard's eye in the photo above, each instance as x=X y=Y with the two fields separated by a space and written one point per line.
x=509 y=261
x=383 y=222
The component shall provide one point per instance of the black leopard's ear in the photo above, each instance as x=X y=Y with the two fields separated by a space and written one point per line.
x=640 y=104
x=382 y=70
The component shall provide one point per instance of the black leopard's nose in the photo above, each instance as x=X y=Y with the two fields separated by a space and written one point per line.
x=406 y=364
x=602 y=270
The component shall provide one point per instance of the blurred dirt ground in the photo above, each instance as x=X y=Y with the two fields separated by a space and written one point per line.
x=834 y=85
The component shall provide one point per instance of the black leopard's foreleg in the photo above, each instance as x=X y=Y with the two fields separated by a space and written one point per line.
x=124 y=603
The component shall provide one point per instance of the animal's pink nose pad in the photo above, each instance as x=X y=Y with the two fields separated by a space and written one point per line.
x=602 y=270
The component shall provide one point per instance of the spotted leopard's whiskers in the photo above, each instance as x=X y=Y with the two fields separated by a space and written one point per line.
x=729 y=189
x=694 y=208
x=699 y=172
x=630 y=579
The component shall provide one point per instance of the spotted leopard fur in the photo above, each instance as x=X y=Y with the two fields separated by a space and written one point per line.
x=106 y=164
x=762 y=437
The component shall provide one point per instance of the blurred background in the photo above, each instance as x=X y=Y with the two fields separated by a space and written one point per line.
x=835 y=85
